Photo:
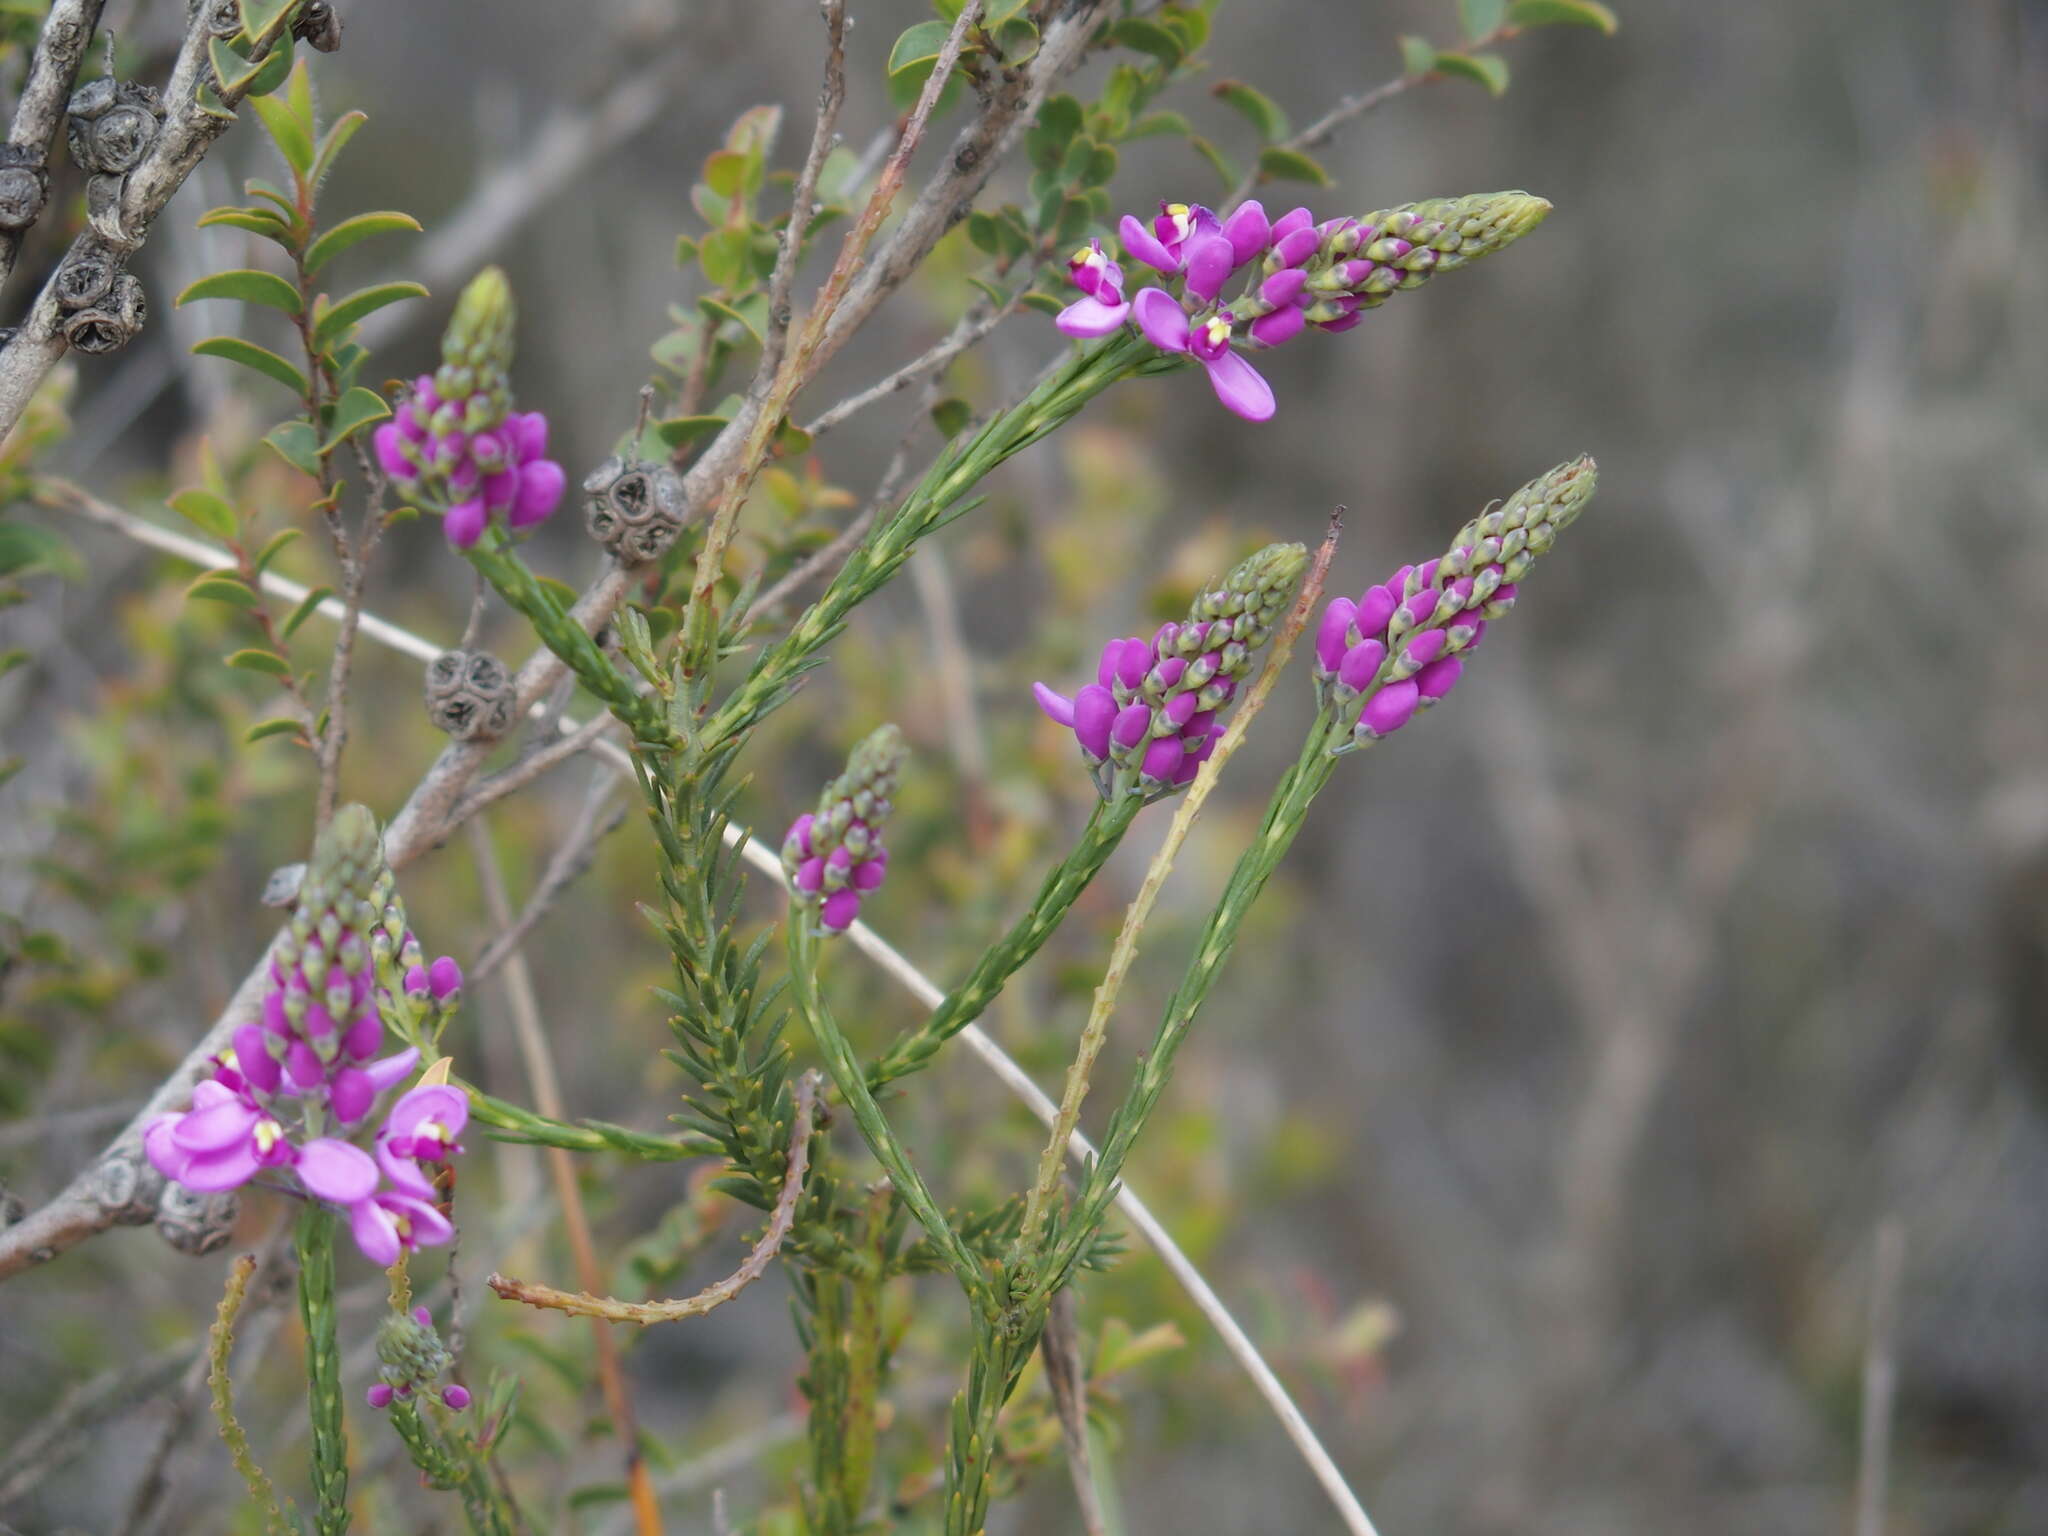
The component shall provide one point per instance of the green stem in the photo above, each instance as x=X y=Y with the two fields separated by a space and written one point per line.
x=875 y=1129
x=890 y=542
x=453 y=1463
x=1286 y=812
x=914 y=1049
x=323 y=1367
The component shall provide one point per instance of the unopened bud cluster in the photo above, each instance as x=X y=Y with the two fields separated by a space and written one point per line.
x=456 y=444
x=1400 y=646
x=410 y=1355
x=1149 y=720
x=834 y=856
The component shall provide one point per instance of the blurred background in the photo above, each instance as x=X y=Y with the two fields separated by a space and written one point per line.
x=1615 y=1036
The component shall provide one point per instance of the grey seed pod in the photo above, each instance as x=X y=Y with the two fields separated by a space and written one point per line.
x=24 y=186
x=127 y=1189
x=113 y=125
x=112 y=323
x=87 y=274
x=103 y=208
x=223 y=18
x=11 y=1207
x=195 y=1223
x=634 y=508
x=318 y=25
x=469 y=695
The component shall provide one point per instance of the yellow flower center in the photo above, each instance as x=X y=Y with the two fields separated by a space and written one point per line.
x=1087 y=256
x=433 y=1130
x=229 y=1060
x=1218 y=330
x=268 y=1134
x=1181 y=215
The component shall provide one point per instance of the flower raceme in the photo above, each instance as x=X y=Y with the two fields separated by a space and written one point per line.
x=311 y=1063
x=1298 y=273
x=456 y=444
x=1400 y=646
x=1149 y=720
x=834 y=856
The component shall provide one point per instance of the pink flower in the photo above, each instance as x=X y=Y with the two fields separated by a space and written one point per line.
x=1237 y=383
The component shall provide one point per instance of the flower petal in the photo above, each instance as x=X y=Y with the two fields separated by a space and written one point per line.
x=392 y=1070
x=1144 y=245
x=541 y=483
x=403 y=1172
x=464 y=523
x=210 y=1130
x=1088 y=317
x=1210 y=264
x=1241 y=387
x=228 y=1169
x=1057 y=706
x=374 y=1232
x=1247 y=230
x=1281 y=325
x=336 y=1171
x=1159 y=317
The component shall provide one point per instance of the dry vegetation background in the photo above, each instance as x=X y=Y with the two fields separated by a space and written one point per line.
x=1545 y=1129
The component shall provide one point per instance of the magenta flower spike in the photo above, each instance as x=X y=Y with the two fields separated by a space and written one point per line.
x=1298 y=274
x=1400 y=646
x=307 y=1067
x=456 y=446
x=834 y=857
x=1148 y=722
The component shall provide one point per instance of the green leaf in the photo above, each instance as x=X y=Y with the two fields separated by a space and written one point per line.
x=258 y=221
x=300 y=96
x=1149 y=37
x=208 y=512
x=308 y=606
x=271 y=73
x=222 y=587
x=1489 y=69
x=259 y=16
x=353 y=231
x=363 y=301
x=724 y=257
x=951 y=415
x=287 y=132
x=247 y=285
x=296 y=443
x=1258 y=108
x=1418 y=56
x=679 y=430
x=261 y=661
x=1154 y=124
x=9 y=660
x=249 y=355
x=24 y=548
x=277 y=727
x=354 y=411
x=1480 y=18
x=332 y=143
x=1277 y=164
x=748 y=314
x=1044 y=303
x=919 y=42
x=1546 y=13
x=272 y=549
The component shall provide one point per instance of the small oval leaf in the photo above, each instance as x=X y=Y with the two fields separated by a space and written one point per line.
x=247 y=285
x=354 y=411
x=289 y=134
x=268 y=662
x=1277 y=164
x=296 y=443
x=352 y=231
x=249 y=355
x=1545 y=13
x=278 y=727
x=363 y=301
x=308 y=606
x=206 y=511
x=222 y=587
x=1489 y=69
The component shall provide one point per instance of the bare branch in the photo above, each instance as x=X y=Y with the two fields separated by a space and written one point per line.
x=1066 y=1375
x=831 y=96
x=756 y=1263
x=67 y=32
x=977 y=323
x=575 y=856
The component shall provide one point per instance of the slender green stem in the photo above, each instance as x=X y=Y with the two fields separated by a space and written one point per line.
x=875 y=1129
x=452 y=1461
x=323 y=1367
x=914 y=1049
x=1286 y=812
x=220 y=1343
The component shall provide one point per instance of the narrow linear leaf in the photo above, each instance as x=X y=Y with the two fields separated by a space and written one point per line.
x=1225 y=171
x=247 y=285
x=257 y=221
x=256 y=660
x=308 y=606
x=354 y=411
x=249 y=355
x=1545 y=13
x=278 y=727
x=353 y=231
x=206 y=511
x=364 y=301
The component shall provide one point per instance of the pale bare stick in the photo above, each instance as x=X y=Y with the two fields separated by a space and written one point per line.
x=1880 y=1378
x=753 y=1267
